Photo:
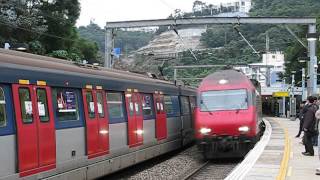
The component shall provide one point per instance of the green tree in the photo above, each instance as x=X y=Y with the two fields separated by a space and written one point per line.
x=21 y=21
x=60 y=16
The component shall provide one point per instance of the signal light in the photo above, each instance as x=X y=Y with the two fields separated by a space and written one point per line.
x=99 y=87
x=41 y=83
x=24 y=81
x=88 y=86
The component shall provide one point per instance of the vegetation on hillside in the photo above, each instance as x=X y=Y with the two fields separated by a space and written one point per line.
x=127 y=41
x=46 y=28
x=227 y=47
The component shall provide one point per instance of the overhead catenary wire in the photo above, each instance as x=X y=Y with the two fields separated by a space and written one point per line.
x=249 y=44
x=177 y=33
x=34 y=31
x=189 y=49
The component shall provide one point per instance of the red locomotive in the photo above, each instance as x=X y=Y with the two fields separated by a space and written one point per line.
x=228 y=118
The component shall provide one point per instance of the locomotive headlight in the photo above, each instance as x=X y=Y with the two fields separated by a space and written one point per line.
x=244 y=129
x=205 y=130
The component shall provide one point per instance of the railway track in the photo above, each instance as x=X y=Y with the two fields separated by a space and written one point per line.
x=214 y=170
x=188 y=164
x=194 y=172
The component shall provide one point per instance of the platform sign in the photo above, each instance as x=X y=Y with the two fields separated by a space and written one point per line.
x=280 y=94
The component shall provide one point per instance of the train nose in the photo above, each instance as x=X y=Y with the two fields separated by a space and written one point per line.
x=225 y=146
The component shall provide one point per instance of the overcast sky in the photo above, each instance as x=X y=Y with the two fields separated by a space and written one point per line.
x=101 y=11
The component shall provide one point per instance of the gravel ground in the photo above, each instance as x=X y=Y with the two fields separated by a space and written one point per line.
x=175 y=166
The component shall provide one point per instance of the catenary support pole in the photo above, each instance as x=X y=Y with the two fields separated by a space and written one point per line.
x=313 y=63
x=108 y=48
x=303 y=84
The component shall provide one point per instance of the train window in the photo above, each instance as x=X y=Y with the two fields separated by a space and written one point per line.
x=42 y=105
x=100 y=105
x=66 y=104
x=168 y=105
x=131 y=105
x=115 y=105
x=192 y=102
x=137 y=108
x=224 y=100
x=90 y=104
x=137 y=104
x=3 y=118
x=147 y=105
x=25 y=105
x=185 y=105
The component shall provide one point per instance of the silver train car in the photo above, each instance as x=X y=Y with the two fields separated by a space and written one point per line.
x=60 y=120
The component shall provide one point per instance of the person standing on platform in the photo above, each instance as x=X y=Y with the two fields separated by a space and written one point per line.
x=315 y=138
x=309 y=127
x=303 y=109
x=318 y=169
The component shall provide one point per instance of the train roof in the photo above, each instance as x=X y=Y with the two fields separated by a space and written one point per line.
x=19 y=65
x=225 y=79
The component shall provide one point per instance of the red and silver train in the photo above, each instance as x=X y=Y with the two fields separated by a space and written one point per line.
x=59 y=120
x=228 y=117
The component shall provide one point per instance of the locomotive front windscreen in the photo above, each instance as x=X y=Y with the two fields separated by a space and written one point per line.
x=224 y=100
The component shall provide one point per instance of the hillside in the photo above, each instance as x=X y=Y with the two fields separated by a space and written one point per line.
x=148 y=51
x=224 y=46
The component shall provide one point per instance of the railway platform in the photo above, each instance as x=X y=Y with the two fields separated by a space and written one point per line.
x=278 y=155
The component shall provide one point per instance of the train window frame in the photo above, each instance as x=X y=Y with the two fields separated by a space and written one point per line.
x=229 y=90
x=55 y=92
x=90 y=105
x=9 y=129
x=23 y=109
x=175 y=105
x=183 y=111
x=193 y=102
x=46 y=107
x=152 y=110
x=165 y=102
x=101 y=114
x=3 y=102
x=115 y=120
x=70 y=123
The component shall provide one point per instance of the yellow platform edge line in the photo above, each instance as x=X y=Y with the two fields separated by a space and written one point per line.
x=285 y=159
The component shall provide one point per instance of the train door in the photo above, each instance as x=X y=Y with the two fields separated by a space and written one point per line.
x=135 y=119
x=35 y=128
x=97 y=128
x=161 y=117
x=103 y=120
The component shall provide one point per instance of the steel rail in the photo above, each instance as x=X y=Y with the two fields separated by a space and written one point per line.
x=192 y=173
